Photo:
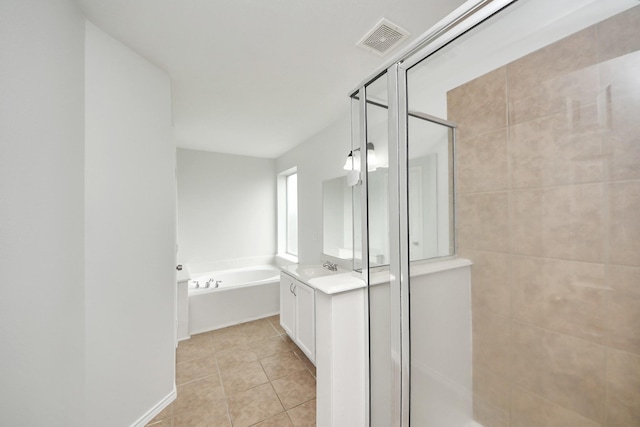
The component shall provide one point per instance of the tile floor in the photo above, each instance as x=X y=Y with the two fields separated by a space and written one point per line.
x=244 y=375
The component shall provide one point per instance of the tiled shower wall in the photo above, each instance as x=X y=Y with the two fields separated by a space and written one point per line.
x=548 y=180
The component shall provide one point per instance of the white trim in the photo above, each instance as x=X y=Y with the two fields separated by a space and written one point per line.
x=281 y=194
x=151 y=413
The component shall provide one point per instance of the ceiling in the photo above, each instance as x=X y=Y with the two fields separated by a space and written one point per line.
x=258 y=77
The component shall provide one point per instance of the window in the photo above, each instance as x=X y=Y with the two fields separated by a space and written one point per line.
x=288 y=214
x=292 y=214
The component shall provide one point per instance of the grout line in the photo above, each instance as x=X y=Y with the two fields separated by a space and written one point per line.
x=226 y=398
x=224 y=391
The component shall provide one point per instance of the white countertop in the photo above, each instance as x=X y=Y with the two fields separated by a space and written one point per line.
x=343 y=281
x=338 y=283
x=329 y=283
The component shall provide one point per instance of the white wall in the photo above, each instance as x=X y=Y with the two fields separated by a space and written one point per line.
x=41 y=213
x=129 y=234
x=319 y=158
x=226 y=206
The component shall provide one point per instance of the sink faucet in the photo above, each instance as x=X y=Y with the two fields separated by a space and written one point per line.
x=330 y=266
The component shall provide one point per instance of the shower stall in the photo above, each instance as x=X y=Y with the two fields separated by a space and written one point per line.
x=505 y=138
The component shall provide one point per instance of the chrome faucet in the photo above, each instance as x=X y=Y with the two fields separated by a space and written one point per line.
x=330 y=266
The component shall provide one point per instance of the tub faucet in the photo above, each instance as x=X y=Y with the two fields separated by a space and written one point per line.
x=330 y=266
x=209 y=282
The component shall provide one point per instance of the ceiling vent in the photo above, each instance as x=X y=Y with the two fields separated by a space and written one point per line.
x=383 y=37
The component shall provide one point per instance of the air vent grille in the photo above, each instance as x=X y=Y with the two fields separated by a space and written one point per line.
x=383 y=37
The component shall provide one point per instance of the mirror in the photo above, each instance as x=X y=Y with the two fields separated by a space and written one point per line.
x=337 y=219
x=423 y=211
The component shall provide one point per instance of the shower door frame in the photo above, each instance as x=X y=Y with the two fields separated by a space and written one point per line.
x=461 y=20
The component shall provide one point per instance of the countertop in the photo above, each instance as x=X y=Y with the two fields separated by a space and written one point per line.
x=331 y=283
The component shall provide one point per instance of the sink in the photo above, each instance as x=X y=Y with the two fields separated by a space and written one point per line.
x=308 y=272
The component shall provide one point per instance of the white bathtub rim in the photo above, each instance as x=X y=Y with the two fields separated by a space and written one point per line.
x=213 y=274
x=202 y=291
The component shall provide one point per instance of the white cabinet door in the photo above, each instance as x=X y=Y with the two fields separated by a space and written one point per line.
x=305 y=319
x=288 y=305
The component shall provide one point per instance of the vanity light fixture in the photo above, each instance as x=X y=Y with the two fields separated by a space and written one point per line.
x=353 y=159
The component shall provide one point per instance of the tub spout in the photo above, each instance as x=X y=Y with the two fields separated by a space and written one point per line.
x=330 y=266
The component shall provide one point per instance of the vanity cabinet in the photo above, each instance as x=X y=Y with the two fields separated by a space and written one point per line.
x=298 y=313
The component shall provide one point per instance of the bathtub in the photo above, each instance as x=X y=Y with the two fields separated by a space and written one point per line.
x=241 y=295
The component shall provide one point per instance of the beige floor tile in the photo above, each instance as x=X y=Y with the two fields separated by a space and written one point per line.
x=227 y=338
x=311 y=368
x=195 y=369
x=258 y=330
x=243 y=377
x=212 y=414
x=275 y=322
x=198 y=393
x=280 y=420
x=254 y=405
x=163 y=415
x=221 y=379
x=295 y=388
x=303 y=415
x=167 y=422
x=197 y=347
x=282 y=364
x=236 y=355
x=270 y=347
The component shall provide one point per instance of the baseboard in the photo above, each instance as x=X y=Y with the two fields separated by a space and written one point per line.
x=144 y=420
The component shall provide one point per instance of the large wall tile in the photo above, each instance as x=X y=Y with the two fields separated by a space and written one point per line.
x=569 y=274
x=619 y=34
x=540 y=83
x=563 y=296
x=625 y=280
x=530 y=410
x=575 y=299
x=527 y=290
x=482 y=162
x=623 y=389
x=564 y=148
x=624 y=322
x=493 y=389
x=490 y=285
x=489 y=416
x=491 y=337
x=558 y=94
x=561 y=222
x=564 y=370
x=619 y=111
x=482 y=221
x=624 y=223
x=480 y=105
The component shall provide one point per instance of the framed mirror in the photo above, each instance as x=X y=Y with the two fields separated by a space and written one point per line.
x=337 y=218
